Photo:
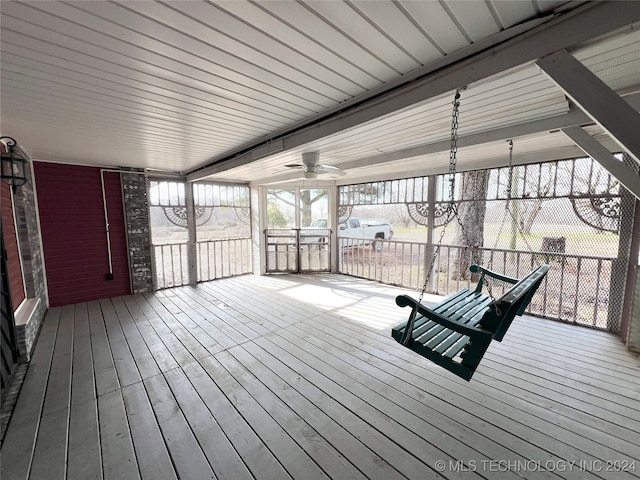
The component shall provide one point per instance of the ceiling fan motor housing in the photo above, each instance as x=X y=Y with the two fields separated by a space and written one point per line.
x=311 y=159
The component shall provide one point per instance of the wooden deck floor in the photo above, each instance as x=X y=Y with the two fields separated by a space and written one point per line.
x=296 y=377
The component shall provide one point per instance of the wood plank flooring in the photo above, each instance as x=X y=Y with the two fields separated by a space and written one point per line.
x=282 y=377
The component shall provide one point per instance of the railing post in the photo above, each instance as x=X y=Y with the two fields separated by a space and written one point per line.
x=297 y=238
x=431 y=224
x=192 y=262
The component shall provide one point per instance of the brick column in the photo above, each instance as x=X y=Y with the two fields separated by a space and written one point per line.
x=28 y=232
x=136 y=212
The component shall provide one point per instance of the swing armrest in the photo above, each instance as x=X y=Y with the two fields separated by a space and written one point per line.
x=470 y=331
x=485 y=271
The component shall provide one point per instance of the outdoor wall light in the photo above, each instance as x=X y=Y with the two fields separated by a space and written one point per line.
x=13 y=164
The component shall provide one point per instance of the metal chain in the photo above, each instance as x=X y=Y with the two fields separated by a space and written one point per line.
x=509 y=193
x=453 y=207
x=504 y=217
x=453 y=160
x=453 y=152
x=453 y=144
x=513 y=219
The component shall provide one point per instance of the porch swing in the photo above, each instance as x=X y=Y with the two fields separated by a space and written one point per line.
x=456 y=332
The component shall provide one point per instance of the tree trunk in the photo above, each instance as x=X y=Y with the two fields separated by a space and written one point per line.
x=471 y=213
x=305 y=208
x=531 y=216
x=539 y=198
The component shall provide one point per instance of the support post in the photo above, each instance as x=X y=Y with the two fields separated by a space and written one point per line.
x=621 y=171
x=630 y=325
x=604 y=106
x=620 y=268
x=332 y=223
x=191 y=234
x=138 y=229
x=631 y=306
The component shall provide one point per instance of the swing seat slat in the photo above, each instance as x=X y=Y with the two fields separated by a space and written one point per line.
x=456 y=332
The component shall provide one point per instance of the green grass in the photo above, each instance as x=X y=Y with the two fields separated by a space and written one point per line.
x=581 y=240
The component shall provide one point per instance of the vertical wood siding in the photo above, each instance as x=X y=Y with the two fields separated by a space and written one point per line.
x=74 y=235
x=11 y=243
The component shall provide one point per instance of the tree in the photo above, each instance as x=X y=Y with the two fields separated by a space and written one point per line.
x=527 y=213
x=470 y=228
x=275 y=217
x=308 y=197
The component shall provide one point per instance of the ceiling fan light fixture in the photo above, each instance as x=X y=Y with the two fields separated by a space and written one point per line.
x=311 y=166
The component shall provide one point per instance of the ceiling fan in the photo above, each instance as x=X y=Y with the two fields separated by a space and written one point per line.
x=312 y=168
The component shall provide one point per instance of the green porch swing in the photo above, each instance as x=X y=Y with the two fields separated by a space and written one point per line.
x=456 y=332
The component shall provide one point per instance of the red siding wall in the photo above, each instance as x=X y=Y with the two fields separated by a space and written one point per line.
x=11 y=244
x=74 y=235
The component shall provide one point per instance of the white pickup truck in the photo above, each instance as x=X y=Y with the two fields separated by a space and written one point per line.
x=355 y=231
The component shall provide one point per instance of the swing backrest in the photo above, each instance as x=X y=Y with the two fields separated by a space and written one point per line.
x=513 y=302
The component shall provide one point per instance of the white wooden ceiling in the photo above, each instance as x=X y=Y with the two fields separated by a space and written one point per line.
x=173 y=86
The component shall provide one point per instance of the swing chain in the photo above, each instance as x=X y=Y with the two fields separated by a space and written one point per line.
x=508 y=193
x=453 y=207
x=508 y=190
x=495 y=245
x=514 y=219
x=451 y=210
x=453 y=153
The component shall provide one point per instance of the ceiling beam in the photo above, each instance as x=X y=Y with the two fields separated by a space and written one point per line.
x=574 y=117
x=625 y=175
x=603 y=105
x=588 y=21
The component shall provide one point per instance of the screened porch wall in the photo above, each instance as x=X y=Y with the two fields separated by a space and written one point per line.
x=222 y=230
x=199 y=231
x=571 y=214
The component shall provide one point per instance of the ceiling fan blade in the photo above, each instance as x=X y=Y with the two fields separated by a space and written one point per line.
x=331 y=169
x=312 y=168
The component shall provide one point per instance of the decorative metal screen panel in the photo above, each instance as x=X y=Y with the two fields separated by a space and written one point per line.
x=223 y=231
x=224 y=237
x=569 y=213
x=169 y=235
